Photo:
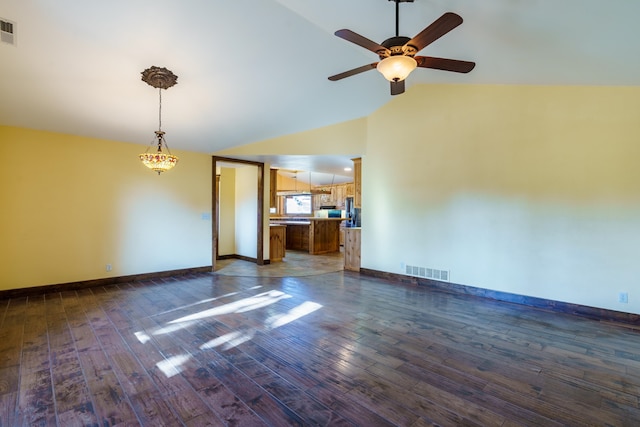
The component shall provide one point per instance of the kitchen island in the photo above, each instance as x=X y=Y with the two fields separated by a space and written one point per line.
x=311 y=234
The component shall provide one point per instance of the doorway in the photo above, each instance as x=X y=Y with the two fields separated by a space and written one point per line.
x=243 y=203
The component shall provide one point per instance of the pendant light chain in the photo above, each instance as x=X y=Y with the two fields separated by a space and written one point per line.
x=160 y=111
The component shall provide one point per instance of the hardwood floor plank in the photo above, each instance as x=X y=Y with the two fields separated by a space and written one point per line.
x=310 y=410
x=14 y=313
x=8 y=414
x=204 y=421
x=10 y=345
x=4 y=305
x=229 y=407
x=258 y=399
x=9 y=379
x=36 y=403
x=373 y=398
x=111 y=404
x=81 y=414
x=347 y=408
x=153 y=410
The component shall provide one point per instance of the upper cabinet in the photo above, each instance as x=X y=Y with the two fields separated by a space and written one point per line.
x=322 y=195
x=337 y=197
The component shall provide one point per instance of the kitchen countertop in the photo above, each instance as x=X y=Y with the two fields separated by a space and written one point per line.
x=289 y=222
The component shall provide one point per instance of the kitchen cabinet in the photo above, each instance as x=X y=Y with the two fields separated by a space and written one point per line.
x=352 y=248
x=338 y=194
x=298 y=236
x=277 y=242
x=314 y=235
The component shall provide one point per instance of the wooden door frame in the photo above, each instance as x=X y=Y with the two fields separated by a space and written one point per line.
x=216 y=206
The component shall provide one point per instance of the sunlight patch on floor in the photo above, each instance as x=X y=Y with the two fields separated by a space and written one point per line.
x=230 y=340
x=295 y=313
x=174 y=365
x=246 y=304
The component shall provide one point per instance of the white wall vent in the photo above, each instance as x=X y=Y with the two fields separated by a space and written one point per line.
x=428 y=273
x=7 y=31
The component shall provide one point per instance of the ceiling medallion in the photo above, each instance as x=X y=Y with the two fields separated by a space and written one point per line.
x=159 y=77
x=159 y=161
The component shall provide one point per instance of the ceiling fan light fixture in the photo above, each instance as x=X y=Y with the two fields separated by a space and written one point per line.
x=396 y=68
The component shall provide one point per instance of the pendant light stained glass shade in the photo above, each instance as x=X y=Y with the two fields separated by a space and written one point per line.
x=159 y=161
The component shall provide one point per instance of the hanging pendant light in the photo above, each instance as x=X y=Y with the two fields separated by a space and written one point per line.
x=159 y=160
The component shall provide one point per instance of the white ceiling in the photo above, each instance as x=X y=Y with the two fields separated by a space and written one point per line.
x=256 y=69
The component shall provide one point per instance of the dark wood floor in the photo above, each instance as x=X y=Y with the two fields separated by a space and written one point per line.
x=331 y=349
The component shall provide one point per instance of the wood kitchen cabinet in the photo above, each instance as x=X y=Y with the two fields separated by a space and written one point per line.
x=352 y=248
x=277 y=242
x=315 y=235
x=298 y=236
x=339 y=193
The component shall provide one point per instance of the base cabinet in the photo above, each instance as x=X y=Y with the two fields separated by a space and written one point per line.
x=352 y=249
x=297 y=237
x=324 y=237
x=277 y=242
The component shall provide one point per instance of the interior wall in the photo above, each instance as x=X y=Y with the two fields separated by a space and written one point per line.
x=227 y=214
x=246 y=208
x=65 y=216
x=347 y=138
x=523 y=189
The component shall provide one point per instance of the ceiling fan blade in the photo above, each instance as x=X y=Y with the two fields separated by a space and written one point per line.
x=397 y=87
x=362 y=41
x=445 y=64
x=437 y=29
x=353 y=72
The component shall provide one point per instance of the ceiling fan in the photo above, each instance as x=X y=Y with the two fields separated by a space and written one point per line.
x=397 y=54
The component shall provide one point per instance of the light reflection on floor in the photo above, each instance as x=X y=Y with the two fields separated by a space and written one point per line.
x=174 y=364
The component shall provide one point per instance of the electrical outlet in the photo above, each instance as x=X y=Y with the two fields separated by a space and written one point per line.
x=623 y=297
x=108 y=267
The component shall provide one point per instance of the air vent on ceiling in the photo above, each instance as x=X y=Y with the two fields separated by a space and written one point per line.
x=7 y=31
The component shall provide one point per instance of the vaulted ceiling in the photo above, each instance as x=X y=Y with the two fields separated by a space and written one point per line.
x=256 y=69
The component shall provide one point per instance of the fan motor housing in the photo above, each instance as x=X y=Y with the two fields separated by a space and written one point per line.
x=397 y=46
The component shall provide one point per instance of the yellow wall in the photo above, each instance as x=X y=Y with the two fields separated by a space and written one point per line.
x=227 y=207
x=526 y=189
x=71 y=205
x=348 y=138
x=246 y=198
